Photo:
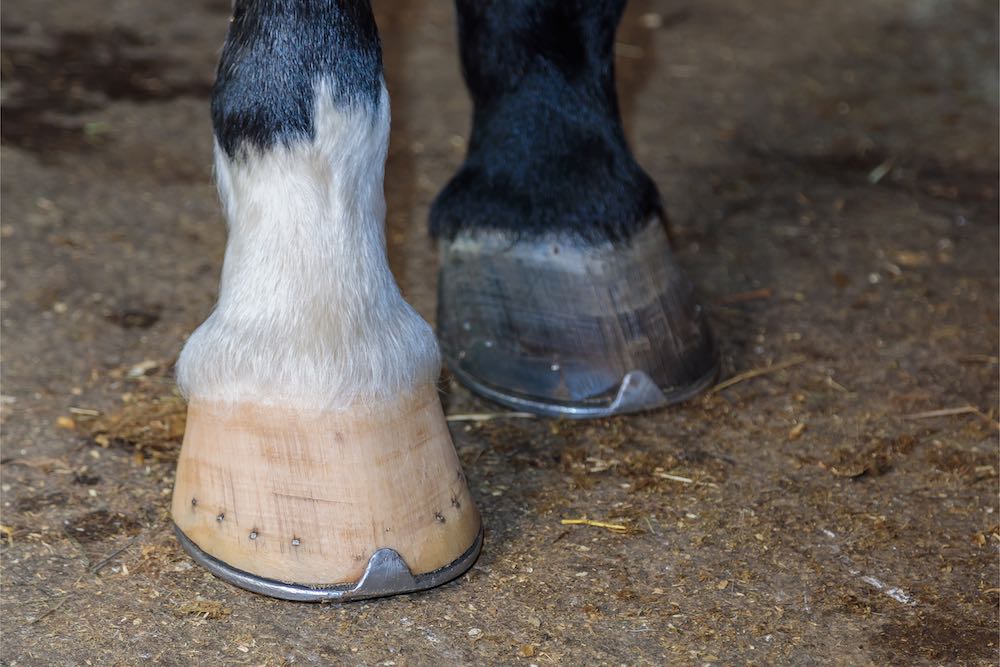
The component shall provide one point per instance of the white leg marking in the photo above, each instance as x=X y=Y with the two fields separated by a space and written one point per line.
x=309 y=314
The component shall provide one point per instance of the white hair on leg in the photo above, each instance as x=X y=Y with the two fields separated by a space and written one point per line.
x=309 y=314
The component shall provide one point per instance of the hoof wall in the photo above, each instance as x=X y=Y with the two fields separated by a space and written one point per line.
x=313 y=505
x=560 y=328
x=386 y=574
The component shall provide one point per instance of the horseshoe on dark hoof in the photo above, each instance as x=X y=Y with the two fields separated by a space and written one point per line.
x=565 y=328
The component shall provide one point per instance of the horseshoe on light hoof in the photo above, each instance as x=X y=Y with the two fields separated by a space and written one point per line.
x=559 y=327
x=386 y=574
x=323 y=506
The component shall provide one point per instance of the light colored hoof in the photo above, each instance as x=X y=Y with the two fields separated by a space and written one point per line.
x=564 y=328
x=325 y=506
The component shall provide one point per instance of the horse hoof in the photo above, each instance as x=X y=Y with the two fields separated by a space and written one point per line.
x=325 y=506
x=563 y=328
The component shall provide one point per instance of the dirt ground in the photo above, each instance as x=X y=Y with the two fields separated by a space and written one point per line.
x=831 y=171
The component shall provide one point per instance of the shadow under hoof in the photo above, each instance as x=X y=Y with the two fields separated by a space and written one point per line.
x=558 y=327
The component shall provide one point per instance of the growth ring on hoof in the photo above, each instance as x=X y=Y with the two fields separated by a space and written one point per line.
x=386 y=574
x=559 y=327
x=363 y=501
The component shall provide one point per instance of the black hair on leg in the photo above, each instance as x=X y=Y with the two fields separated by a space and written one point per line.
x=547 y=152
x=275 y=54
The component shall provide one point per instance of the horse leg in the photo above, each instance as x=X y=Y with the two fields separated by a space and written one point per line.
x=558 y=293
x=317 y=464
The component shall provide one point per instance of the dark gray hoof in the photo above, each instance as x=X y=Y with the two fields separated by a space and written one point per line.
x=386 y=574
x=561 y=328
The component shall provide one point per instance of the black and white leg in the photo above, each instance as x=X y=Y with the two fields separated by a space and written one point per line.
x=316 y=463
